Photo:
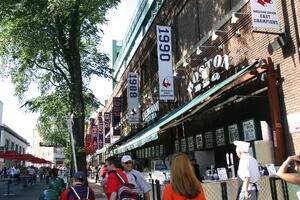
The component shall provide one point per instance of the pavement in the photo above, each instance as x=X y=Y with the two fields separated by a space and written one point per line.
x=33 y=192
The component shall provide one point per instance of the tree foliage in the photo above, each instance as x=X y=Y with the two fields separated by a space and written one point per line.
x=55 y=44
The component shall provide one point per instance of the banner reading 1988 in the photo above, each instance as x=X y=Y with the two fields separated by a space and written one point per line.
x=133 y=98
x=164 y=53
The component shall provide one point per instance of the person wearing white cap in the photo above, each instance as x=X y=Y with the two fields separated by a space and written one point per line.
x=135 y=177
x=248 y=172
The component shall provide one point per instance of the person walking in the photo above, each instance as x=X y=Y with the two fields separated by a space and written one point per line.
x=184 y=183
x=294 y=179
x=113 y=183
x=78 y=190
x=248 y=172
x=136 y=178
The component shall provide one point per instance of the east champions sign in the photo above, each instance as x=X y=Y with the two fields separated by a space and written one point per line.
x=208 y=73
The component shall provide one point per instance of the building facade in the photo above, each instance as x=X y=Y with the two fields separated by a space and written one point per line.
x=232 y=81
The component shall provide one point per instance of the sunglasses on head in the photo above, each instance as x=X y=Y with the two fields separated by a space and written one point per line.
x=128 y=162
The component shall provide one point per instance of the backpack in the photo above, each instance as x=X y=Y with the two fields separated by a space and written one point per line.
x=77 y=195
x=126 y=191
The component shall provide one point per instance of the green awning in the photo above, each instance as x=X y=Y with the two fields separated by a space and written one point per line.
x=151 y=133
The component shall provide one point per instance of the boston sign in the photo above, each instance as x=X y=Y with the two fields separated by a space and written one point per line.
x=209 y=73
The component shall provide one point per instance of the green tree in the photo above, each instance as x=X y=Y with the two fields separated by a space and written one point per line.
x=54 y=44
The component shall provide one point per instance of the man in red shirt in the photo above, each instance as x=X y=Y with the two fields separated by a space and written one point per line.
x=113 y=182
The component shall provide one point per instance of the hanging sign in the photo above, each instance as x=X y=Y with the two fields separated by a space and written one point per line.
x=183 y=145
x=116 y=111
x=165 y=69
x=133 y=98
x=264 y=14
x=191 y=143
x=150 y=113
x=176 y=146
x=106 y=122
x=233 y=132
x=100 y=134
x=95 y=136
x=209 y=140
x=199 y=141
x=249 y=130
x=220 y=137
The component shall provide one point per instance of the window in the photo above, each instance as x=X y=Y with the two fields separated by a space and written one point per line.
x=16 y=148
x=6 y=145
x=12 y=146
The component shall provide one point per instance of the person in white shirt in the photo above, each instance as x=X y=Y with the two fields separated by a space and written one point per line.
x=135 y=177
x=291 y=178
x=248 y=172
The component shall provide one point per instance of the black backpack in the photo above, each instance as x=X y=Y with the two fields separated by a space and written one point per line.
x=126 y=191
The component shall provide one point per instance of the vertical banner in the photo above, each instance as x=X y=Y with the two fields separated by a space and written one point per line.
x=106 y=122
x=264 y=14
x=165 y=70
x=95 y=136
x=100 y=134
x=133 y=98
x=116 y=116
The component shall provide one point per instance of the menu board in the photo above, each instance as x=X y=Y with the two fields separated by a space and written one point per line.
x=176 y=145
x=249 y=130
x=191 y=143
x=161 y=149
x=233 y=132
x=153 y=151
x=209 y=140
x=199 y=141
x=183 y=145
x=220 y=137
x=157 y=150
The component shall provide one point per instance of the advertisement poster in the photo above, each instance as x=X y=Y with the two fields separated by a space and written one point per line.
x=165 y=68
x=264 y=14
x=133 y=98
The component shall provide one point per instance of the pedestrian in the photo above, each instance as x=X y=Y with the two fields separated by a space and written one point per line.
x=103 y=170
x=78 y=190
x=184 y=183
x=196 y=169
x=295 y=179
x=113 y=183
x=248 y=172
x=136 y=178
x=97 y=169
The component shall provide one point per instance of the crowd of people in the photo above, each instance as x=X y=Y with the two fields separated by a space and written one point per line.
x=31 y=174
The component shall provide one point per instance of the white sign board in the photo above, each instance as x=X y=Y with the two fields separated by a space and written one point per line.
x=233 y=132
x=264 y=14
x=165 y=70
x=294 y=122
x=133 y=98
x=249 y=130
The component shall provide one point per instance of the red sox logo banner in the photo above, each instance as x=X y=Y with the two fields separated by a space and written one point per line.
x=264 y=14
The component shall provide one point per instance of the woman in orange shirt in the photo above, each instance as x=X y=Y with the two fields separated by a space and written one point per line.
x=184 y=183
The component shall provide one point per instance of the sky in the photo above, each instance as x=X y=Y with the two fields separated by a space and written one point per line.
x=23 y=122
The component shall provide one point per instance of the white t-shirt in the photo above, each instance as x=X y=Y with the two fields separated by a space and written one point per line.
x=248 y=167
x=135 y=177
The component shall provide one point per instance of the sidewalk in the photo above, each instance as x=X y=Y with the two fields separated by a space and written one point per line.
x=97 y=189
x=27 y=193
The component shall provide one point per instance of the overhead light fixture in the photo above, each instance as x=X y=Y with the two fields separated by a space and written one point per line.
x=234 y=17
x=214 y=35
x=185 y=62
x=199 y=51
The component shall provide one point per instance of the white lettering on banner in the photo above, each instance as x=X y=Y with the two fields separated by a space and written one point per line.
x=206 y=75
x=133 y=98
x=264 y=14
x=153 y=108
x=164 y=52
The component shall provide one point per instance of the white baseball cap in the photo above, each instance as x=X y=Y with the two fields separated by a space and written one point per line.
x=126 y=158
x=242 y=146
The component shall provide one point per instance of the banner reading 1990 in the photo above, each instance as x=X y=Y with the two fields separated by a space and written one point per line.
x=164 y=53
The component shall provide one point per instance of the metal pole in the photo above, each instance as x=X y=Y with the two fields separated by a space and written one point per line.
x=69 y=123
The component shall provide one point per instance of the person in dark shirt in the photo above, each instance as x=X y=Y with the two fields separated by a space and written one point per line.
x=78 y=190
x=196 y=169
